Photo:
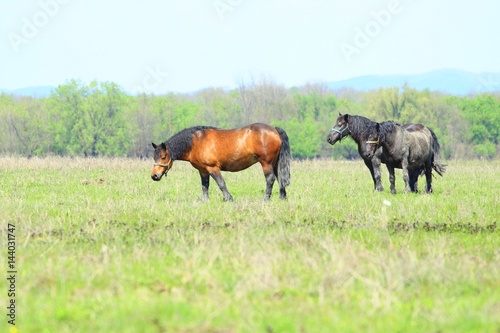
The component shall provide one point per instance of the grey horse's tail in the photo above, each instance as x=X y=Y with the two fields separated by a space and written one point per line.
x=284 y=159
x=436 y=148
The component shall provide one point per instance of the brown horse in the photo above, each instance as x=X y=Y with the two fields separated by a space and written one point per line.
x=211 y=150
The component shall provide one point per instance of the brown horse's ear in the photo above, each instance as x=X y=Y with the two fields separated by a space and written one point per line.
x=154 y=146
x=340 y=114
x=346 y=117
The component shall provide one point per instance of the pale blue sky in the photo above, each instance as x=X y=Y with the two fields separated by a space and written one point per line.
x=162 y=46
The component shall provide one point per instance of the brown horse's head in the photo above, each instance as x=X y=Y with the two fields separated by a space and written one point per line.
x=163 y=161
x=340 y=129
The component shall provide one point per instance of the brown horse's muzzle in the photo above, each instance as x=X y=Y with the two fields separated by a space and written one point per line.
x=159 y=170
x=156 y=176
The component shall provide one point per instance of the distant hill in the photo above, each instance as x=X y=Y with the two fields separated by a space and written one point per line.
x=39 y=91
x=450 y=81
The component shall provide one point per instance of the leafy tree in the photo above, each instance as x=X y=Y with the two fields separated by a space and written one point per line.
x=7 y=136
x=483 y=115
x=141 y=124
x=264 y=101
x=67 y=105
x=388 y=103
x=186 y=114
x=98 y=119
x=304 y=137
x=317 y=107
x=101 y=127
x=89 y=119
x=28 y=121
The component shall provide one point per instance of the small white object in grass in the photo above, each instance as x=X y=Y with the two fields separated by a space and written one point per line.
x=387 y=203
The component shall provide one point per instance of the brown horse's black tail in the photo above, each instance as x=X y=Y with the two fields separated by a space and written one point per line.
x=284 y=159
x=436 y=148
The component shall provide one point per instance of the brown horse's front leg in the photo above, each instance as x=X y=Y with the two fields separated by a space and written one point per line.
x=205 y=183
x=216 y=175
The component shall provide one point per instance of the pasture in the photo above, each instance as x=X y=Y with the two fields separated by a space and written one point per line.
x=100 y=247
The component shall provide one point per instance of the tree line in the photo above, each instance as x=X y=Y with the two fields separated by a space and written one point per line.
x=100 y=119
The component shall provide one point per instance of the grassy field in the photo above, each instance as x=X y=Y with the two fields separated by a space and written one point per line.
x=100 y=247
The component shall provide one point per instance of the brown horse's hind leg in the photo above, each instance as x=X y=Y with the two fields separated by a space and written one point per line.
x=270 y=178
x=282 y=188
x=216 y=175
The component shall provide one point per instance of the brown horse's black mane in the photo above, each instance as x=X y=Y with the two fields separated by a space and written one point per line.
x=182 y=142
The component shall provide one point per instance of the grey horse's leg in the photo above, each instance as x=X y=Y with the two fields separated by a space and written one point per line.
x=282 y=193
x=392 y=178
x=414 y=180
x=428 y=178
x=376 y=174
x=406 y=177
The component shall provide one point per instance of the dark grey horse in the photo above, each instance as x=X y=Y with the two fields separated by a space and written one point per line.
x=364 y=133
x=413 y=148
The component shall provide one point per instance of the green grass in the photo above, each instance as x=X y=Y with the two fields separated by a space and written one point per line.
x=103 y=248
